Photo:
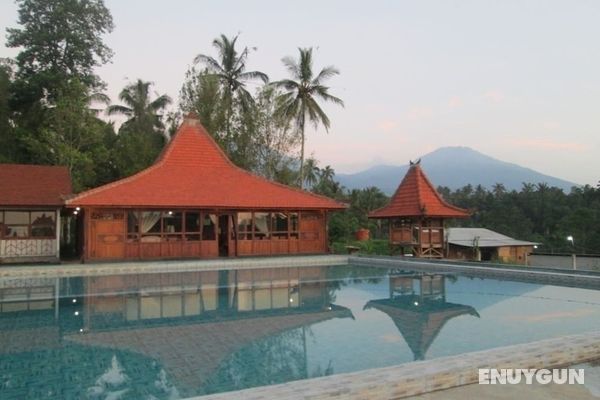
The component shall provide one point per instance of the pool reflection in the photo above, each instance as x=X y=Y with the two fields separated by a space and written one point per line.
x=207 y=331
x=417 y=305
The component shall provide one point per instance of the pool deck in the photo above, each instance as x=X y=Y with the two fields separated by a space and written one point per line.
x=148 y=267
x=572 y=278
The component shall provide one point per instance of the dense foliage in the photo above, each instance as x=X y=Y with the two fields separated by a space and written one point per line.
x=537 y=212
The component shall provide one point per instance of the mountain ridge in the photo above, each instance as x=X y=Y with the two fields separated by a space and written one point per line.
x=454 y=167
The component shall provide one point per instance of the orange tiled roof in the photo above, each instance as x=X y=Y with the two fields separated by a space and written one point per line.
x=416 y=196
x=192 y=171
x=33 y=185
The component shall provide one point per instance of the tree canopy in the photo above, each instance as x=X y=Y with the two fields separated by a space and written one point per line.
x=60 y=39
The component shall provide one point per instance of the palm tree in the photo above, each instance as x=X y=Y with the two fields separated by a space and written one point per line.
x=327 y=173
x=143 y=115
x=302 y=91
x=230 y=70
x=142 y=136
x=311 y=172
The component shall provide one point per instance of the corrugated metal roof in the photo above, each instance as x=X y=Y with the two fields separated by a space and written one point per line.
x=485 y=238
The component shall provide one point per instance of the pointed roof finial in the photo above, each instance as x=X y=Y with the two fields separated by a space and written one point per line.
x=191 y=118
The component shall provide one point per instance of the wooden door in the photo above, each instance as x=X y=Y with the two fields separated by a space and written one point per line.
x=312 y=232
x=108 y=237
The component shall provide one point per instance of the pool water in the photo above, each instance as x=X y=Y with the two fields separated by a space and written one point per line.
x=176 y=335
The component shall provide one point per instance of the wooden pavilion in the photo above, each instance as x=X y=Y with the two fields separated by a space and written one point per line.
x=31 y=199
x=416 y=214
x=194 y=202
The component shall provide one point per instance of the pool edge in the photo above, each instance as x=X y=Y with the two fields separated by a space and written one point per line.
x=422 y=377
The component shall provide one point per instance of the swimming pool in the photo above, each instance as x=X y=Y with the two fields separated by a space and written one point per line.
x=175 y=335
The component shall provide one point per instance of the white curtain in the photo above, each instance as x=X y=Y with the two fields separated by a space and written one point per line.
x=262 y=223
x=213 y=218
x=149 y=219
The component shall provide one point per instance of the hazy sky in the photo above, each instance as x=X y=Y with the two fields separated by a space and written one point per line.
x=517 y=80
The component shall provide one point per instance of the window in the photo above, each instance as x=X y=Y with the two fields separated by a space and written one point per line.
x=261 y=225
x=172 y=225
x=150 y=226
x=209 y=222
x=279 y=225
x=133 y=226
x=26 y=224
x=244 y=226
x=294 y=225
x=17 y=224
x=43 y=224
x=192 y=226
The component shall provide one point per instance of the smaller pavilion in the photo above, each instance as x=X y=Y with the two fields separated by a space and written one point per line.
x=416 y=214
x=31 y=199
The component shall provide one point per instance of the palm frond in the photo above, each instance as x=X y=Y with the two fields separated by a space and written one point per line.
x=118 y=109
x=323 y=93
x=160 y=103
x=325 y=74
x=317 y=115
x=210 y=62
x=252 y=75
x=286 y=84
x=306 y=64
x=292 y=66
x=99 y=98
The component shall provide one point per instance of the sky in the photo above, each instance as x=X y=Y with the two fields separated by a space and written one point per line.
x=516 y=80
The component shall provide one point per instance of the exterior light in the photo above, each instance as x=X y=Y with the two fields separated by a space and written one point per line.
x=416 y=303
x=80 y=330
x=535 y=246
x=74 y=300
x=75 y=212
x=170 y=212
x=329 y=308
x=570 y=238
x=77 y=208
x=76 y=313
x=291 y=300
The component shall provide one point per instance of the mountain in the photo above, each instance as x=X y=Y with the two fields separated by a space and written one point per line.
x=454 y=167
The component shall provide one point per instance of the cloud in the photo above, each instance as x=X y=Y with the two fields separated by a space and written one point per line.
x=455 y=102
x=494 y=96
x=387 y=126
x=550 y=125
x=548 y=144
x=415 y=113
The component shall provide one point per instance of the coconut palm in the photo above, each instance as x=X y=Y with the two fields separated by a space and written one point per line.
x=142 y=136
x=302 y=91
x=311 y=172
x=143 y=114
x=230 y=70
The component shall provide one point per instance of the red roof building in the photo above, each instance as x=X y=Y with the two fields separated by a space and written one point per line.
x=31 y=197
x=195 y=202
x=417 y=212
x=33 y=185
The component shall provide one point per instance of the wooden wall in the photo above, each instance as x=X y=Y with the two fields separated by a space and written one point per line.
x=106 y=238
